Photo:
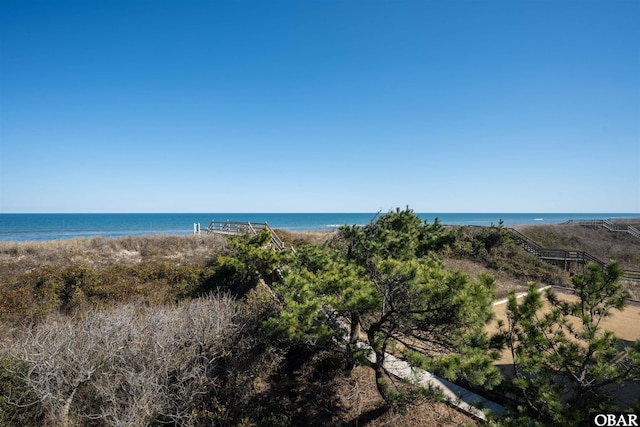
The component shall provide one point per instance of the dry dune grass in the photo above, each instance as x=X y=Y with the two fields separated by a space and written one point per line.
x=600 y=242
x=102 y=251
x=605 y=245
x=298 y=238
x=96 y=251
x=363 y=406
x=505 y=282
x=75 y=274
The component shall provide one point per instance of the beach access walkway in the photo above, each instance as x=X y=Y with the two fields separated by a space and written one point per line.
x=607 y=225
x=465 y=400
x=567 y=256
x=231 y=228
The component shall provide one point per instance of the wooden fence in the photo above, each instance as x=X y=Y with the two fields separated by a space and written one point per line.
x=239 y=227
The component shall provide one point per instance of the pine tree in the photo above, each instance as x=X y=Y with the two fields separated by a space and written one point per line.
x=385 y=282
x=563 y=357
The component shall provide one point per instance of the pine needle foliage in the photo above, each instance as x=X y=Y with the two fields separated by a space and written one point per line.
x=563 y=357
x=383 y=285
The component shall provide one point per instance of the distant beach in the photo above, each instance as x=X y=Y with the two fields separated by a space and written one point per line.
x=38 y=227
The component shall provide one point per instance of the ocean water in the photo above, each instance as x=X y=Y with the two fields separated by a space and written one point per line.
x=28 y=227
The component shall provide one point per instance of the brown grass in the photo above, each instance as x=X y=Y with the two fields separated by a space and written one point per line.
x=297 y=239
x=505 y=281
x=598 y=241
x=37 y=278
x=96 y=251
x=364 y=406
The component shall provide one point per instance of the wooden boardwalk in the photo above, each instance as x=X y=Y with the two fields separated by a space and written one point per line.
x=230 y=228
x=459 y=397
x=608 y=225
x=565 y=256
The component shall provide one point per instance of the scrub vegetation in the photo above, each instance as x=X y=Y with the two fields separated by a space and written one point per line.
x=204 y=330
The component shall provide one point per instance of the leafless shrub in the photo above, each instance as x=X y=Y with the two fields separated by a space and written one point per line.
x=130 y=365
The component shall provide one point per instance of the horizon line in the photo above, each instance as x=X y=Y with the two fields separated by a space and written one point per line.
x=314 y=213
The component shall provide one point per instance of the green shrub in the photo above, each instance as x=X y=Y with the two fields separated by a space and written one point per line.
x=71 y=288
x=18 y=404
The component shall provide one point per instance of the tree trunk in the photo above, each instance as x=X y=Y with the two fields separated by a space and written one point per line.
x=378 y=365
x=382 y=380
x=63 y=416
x=354 y=333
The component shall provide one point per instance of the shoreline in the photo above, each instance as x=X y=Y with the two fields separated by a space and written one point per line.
x=52 y=227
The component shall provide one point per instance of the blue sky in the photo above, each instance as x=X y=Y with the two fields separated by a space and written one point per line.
x=319 y=106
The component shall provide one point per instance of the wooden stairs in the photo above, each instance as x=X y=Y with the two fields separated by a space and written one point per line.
x=242 y=227
x=566 y=256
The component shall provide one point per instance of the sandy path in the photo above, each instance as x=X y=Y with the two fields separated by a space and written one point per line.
x=625 y=324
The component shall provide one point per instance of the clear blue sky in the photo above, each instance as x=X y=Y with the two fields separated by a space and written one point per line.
x=319 y=106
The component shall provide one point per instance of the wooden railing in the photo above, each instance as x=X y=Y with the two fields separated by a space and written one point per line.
x=234 y=227
x=528 y=244
x=564 y=255
x=240 y=227
x=631 y=275
x=552 y=254
x=568 y=256
x=609 y=225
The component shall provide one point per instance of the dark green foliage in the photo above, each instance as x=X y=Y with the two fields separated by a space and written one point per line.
x=318 y=288
x=486 y=242
x=384 y=284
x=399 y=234
x=563 y=358
x=68 y=289
x=250 y=259
x=17 y=406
